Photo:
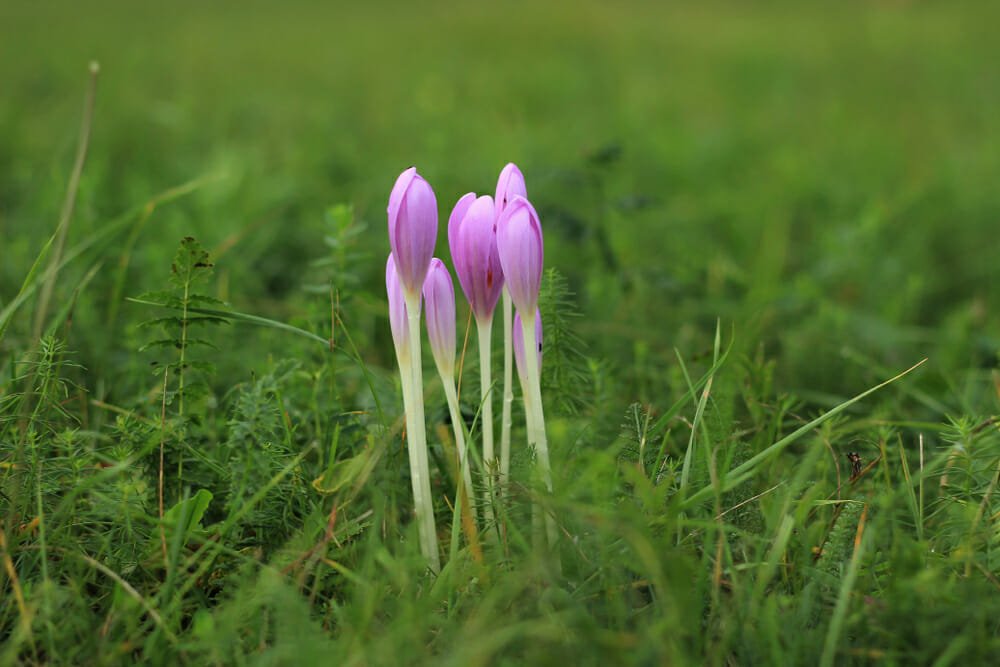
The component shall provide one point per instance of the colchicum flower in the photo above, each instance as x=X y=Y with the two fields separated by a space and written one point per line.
x=519 y=242
x=472 y=237
x=509 y=185
x=413 y=223
x=412 y=215
x=439 y=304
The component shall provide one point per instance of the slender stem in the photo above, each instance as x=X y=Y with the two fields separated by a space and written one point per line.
x=417 y=439
x=508 y=387
x=485 y=388
x=457 y=425
x=180 y=383
x=69 y=202
x=536 y=430
x=537 y=525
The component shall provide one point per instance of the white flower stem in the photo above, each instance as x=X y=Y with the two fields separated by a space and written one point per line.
x=417 y=440
x=459 y=428
x=536 y=417
x=537 y=525
x=485 y=327
x=508 y=387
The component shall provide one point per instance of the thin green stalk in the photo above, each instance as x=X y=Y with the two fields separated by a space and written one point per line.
x=508 y=386
x=485 y=388
x=457 y=425
x=536 y=427
x=417 y=440
x=43 y=541
x=69 y=202
x=180 y=385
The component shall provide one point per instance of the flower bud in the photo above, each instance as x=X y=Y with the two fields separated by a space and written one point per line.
x=413 y=222
x=519 y=242
x=439 y=305
x=510 y=184
x=472 y=237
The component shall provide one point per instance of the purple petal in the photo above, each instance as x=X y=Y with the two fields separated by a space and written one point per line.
x=519 y=242
x=397 y=308
x=396 y=196
x=454 y=223
x=413 y=223
x=479 y=273
x=439 y=304
x=509 y=185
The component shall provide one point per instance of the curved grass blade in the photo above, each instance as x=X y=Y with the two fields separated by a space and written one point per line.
x=749 y=468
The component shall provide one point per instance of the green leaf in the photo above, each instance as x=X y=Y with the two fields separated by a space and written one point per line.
x=187 y=514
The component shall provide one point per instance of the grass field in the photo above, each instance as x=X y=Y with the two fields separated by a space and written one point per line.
x=752 y=214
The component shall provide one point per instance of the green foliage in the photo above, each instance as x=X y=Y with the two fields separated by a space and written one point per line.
x=816 y=183
x=257 y=448
x=564 y=366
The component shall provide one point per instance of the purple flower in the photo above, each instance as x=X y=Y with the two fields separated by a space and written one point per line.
x=509 y=185
x=473 y=241
x=413 y=222
x=519 y=242
x=397 y=309
x=518 y=339
x=439 y=303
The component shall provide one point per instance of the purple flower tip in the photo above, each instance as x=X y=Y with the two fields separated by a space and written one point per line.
x=509 y=185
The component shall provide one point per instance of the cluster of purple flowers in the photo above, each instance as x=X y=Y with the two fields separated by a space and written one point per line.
x=496 y=247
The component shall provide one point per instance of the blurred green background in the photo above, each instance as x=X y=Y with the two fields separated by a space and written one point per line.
x=823 y=179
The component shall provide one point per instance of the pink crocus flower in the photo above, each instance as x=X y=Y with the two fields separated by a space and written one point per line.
x=519 y=243
x=472 y=237
x=413 y=222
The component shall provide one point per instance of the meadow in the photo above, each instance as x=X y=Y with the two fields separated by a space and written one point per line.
x=754 y=214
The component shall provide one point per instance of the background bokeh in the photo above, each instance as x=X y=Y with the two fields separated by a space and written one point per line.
x=822 y=179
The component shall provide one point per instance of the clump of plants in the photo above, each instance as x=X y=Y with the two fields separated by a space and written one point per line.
x=496 y=246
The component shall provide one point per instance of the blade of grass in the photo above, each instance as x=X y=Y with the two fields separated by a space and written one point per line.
x=34 y=279
x=70 y=201
x=749 y=468
x=911 y=496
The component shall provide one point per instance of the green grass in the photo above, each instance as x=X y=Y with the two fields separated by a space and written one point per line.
x=754 y=215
